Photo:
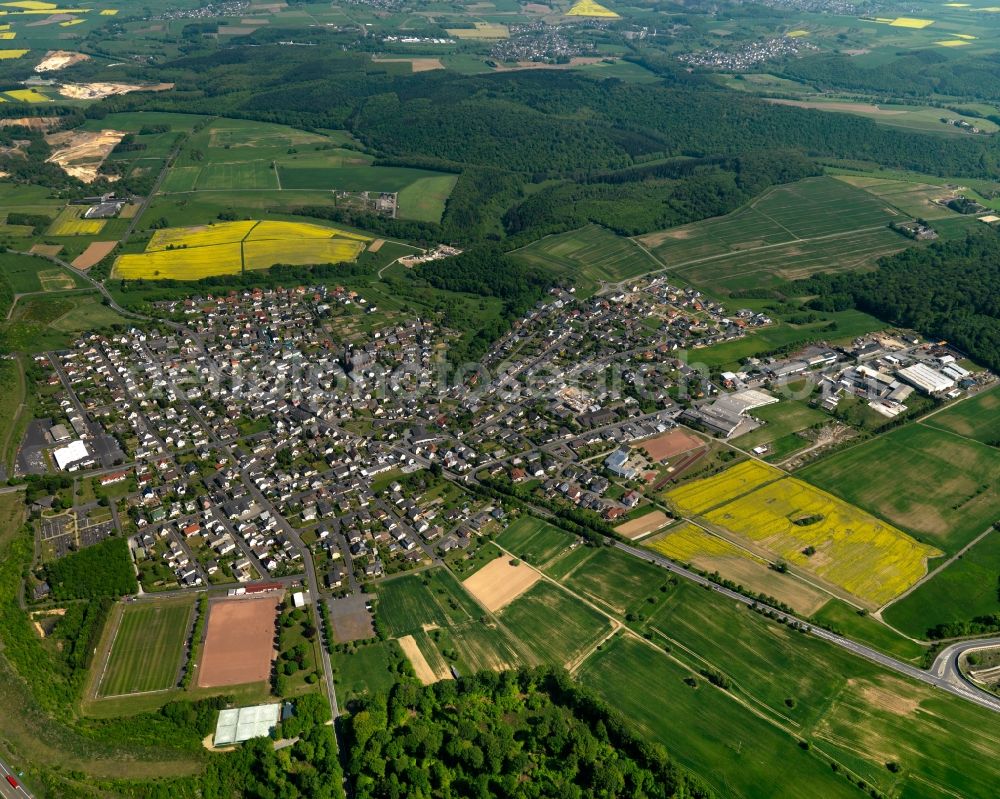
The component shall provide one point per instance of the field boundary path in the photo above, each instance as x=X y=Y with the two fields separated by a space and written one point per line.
x=943 y=674
x=931 y=573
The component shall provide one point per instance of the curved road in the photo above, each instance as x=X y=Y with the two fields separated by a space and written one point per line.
x=943 y=673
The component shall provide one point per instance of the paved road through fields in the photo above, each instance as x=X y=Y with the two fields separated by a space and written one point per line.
x=943 y=673
x=6 y=790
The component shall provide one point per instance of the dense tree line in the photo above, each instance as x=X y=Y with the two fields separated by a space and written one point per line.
x=538 y=123
x=917 y=73
x=652 y=197
x=947 y=290
x=101 y=570
x=532 y=733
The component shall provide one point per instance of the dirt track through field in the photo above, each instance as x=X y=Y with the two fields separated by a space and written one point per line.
x=239 y=642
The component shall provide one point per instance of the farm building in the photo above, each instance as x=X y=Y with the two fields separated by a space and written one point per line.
x=926 y=379
x=240 y=724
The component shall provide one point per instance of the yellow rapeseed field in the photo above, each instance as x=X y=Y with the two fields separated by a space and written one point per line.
x=911 y=22
x=30 y=4
x=185 y=264
x=687 y=541
x=303 y=230
x=5 y=54
x=69 y=223
x=701 y=495
x=229 y=247
x=262 y=254
x=202 y=236
x=590 y=8
x=28 y=96
x=852 y=549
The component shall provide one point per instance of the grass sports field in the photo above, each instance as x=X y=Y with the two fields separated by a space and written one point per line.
x=589 y=255
x=959 y=592
x=818 y=224
x=148 y=647
x=977 y=417
x=942 y=488
x=227 y=248
x=787 y=518
x=534 y=540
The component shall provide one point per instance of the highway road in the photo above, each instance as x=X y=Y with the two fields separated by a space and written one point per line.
x=943 y=674
x=7 y=791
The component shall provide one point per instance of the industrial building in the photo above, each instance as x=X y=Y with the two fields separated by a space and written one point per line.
x=68 y=457
x=926 y=379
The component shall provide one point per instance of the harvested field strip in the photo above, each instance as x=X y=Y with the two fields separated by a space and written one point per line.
x=94 y=254
x=702 y=495
x=425 y=672
x=148 y=648
x=500 y=582
x=644 y=525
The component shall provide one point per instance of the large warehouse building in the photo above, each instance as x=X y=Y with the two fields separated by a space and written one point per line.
x=926 y=379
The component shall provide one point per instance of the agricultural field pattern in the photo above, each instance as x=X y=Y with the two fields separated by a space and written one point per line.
x=499 y=399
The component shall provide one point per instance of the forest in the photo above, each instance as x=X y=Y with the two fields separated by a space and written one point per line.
x=917 y=73
x=531 y=733
x=946 y=291
x=101 y=570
